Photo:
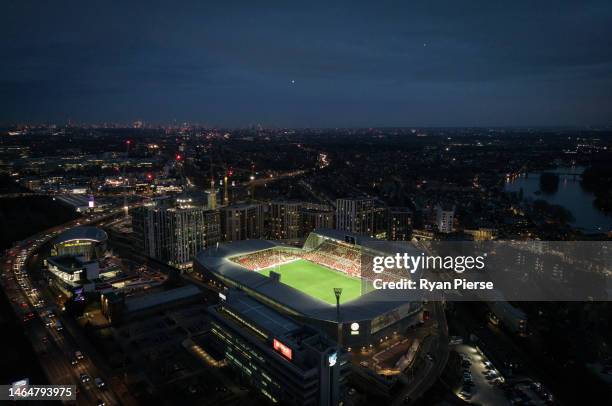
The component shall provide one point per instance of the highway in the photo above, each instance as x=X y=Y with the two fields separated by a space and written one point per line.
x=55 y=346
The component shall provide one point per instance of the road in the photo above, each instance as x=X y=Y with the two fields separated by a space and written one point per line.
x=425 y=377
x=55 y=348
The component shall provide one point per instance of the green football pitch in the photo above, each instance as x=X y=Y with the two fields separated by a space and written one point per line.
x=317 y=280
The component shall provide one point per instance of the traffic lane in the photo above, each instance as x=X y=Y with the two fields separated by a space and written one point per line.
x=71 y=345
x=36 y=330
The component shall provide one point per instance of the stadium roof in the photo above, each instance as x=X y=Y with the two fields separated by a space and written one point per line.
x=81 y=233
x=390 y=247
x=263 y=316
x=369 y=305
x=340 y=235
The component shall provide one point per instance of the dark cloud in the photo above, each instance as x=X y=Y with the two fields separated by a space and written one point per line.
x=353 y=63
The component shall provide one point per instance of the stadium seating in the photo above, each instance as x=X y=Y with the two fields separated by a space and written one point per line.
x=268 y=258
x=340 y=257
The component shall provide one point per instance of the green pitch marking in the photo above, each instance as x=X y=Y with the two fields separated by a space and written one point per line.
x=317 y=280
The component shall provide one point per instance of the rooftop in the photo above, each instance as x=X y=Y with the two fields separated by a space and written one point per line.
x=160 y=298
x=264 y=317
x=68 y=263
x=81 y=233
x=371 y=304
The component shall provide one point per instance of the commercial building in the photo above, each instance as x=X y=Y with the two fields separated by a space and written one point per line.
x=286 y=362
x=88 y=242
x=72 y=275
x=242 y=221
x=117 y=308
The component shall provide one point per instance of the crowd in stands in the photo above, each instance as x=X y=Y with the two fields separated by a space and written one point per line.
x=339 y=257
x=267 y=258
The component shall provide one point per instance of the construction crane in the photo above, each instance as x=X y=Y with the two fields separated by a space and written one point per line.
x=127 y=154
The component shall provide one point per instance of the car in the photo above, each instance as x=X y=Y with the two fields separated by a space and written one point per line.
x=74 y=361
x=455 y=340
x=465 y=395
x=99 y=383
x=79 y=355
x=100 y=402
x=351 y=391
x=84 y=378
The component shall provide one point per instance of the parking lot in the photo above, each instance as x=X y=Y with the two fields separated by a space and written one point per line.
x=485 y=380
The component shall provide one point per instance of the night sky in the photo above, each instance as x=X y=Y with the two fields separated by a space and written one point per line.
x=307 y=63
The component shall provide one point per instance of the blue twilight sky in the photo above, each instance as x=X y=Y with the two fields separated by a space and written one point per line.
x=308 y=63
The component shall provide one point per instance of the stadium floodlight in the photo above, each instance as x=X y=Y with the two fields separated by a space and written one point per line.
x=338 y=292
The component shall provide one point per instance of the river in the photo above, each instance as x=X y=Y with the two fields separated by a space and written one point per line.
x=570 y=195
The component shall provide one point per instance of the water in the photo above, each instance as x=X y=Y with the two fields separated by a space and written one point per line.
x=569 y=195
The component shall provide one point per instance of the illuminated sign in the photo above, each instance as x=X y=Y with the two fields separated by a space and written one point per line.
x=20 y=386
x=222 y=296
x=282 y=349
x=355 y=329
x=332 y=359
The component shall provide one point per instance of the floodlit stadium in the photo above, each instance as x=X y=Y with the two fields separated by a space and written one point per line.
x=301 y=282
x=315 y=272
x=315 y=280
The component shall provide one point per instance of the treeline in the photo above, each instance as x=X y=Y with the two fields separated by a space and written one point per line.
x=21 y=217
x=598 y=180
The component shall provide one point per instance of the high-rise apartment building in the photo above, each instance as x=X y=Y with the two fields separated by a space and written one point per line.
x=174 y=235
x=361 y=216
x=444 y=219
x=399 y=224
x=284 y=220
x=242 y=221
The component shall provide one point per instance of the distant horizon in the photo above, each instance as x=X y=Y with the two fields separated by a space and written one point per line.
x=147 y=125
